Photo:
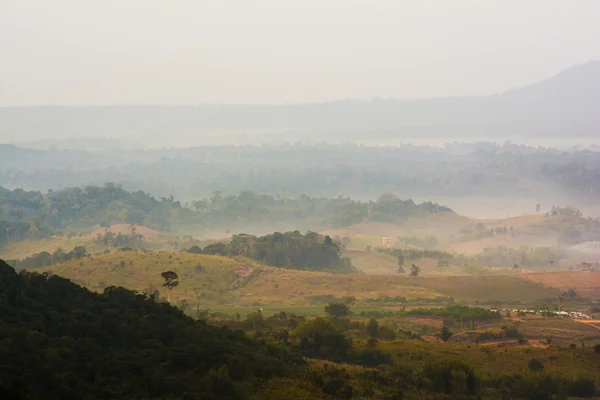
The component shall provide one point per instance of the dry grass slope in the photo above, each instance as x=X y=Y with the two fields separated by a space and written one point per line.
x=504 y=288
x=586 y=284
x=236 y=282
x=26 y=248
x=141 y=271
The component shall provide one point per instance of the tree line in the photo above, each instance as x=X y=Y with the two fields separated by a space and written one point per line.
x=291 y=250
x=250 y=207
x=32 y=214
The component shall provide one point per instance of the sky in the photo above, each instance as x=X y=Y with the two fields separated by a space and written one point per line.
x=85 y=52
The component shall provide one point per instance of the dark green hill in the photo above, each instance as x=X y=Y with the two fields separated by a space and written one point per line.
x=60 y=341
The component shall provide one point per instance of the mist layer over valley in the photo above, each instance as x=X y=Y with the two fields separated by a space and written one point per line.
x=316 y=201
x=558 y=112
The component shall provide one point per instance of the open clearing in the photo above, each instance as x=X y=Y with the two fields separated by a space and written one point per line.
x=372 y=262
x=586 y=284
x=279 y=286
x=124 y=230
x=487 y=288
x=211 y=275
x=25 y=248
x=226 y=281
x=273 y=285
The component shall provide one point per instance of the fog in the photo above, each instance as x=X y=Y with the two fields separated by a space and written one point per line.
x=299 y=199
x=488 y=108
x=69 y=52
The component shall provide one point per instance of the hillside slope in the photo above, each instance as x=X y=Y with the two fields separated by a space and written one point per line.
x=212 y=276
x=34 y=214
x=60 y=341
x=208 y=281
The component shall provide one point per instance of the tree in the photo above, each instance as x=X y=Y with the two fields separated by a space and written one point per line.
x=198 y=293
x=535 y=365
x=184 y=305
x=414 y=270
x=400 y=257
x=200 y=205
x=33 y=229
x=373 y=328
x=571 y=293
x=587 y=266
x=445 y=334
x=171 y=281
x=337 y=309
x=561 y=299
x=572 y=348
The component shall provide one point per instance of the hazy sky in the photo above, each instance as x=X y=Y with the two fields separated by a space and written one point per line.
x=89 y=52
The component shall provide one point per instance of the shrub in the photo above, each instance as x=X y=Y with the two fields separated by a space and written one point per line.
x=373 y=328
x=337 y=309
x=535 y=365
x=522 y=341
x=199 y=268
x=582 y=387
x=452 y=377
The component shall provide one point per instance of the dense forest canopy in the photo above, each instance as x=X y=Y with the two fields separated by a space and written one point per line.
x=291 y=250
x=60 y=341
x=309 y=212
x=32 y=214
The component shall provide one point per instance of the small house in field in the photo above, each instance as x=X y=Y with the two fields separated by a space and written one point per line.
x=387 y=241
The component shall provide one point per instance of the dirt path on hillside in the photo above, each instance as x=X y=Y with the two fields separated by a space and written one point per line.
x=241 y=274
x=513 y=342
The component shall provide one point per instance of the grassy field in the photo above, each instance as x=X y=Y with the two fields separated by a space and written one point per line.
x=496 y=361
x=124 y=229
x=154 y=241
x=586 y=284
x=304 y=310
x=534 y=230
x=372 y=262
x=276 y=286
x=487 y=288
x=267 y=286
x=279 y=286
x=25 y=248
x=140 y=271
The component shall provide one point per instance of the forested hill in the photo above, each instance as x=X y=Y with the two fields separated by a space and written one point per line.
x=305 y=212
x=291 y=250
x=60 y=341
x=34 y=214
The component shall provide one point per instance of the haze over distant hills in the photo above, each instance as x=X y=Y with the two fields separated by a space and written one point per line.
x=564 y=106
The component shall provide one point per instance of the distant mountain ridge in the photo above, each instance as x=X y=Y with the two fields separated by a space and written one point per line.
x=564 y=104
